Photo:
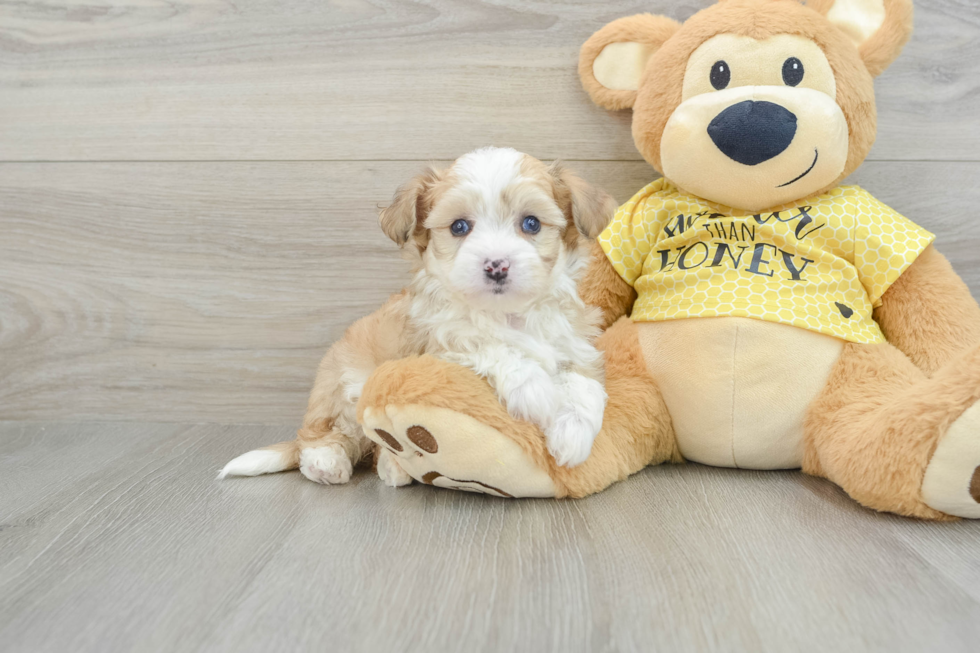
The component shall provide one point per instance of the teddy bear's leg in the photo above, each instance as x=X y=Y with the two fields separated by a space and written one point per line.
x=443 y=425
x=895 y=439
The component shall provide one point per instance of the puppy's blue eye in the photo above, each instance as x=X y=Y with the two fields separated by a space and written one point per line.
x=460 y=228
x=531 y=225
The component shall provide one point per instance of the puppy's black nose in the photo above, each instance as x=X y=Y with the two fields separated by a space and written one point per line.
x=496 y=270
x=752 y=132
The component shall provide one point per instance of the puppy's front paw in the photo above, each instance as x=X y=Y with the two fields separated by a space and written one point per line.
x=570 y=438
x=390 y=472
x=578 y=420
x=534 y=398
x=328 y=465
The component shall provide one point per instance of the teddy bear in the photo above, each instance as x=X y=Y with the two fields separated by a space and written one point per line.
x=757 y=313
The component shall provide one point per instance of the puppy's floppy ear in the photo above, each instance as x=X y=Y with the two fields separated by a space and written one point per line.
x=588 y=208
x=612 y=61
x=879 y=28
x=403 y=219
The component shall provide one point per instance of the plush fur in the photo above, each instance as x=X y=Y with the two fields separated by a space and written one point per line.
x=605 y=289
x=886 y=44
x=647 y=29
x=878 y=421
x=929 y=313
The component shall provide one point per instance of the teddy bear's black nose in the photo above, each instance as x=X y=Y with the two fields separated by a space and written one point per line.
x=752 y=132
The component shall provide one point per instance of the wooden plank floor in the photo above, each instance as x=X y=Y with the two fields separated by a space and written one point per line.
x=188 y=199
x=115 y=537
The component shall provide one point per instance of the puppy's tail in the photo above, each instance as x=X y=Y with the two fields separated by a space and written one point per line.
x=274 y=458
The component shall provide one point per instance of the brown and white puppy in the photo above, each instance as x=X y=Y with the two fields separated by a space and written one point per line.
x=498 y=242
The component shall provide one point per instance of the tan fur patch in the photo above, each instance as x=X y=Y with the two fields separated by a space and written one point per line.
x=330 y=415
x=875 y=427
x=403 y=218
x=929 y=313
x=602 y=286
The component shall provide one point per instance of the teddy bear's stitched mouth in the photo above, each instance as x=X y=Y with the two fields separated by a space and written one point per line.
x=816 y=155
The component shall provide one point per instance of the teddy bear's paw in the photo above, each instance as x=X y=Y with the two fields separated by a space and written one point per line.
x=329 y=465
x=952 y=480
x=390 y=472
x=442 y=447
x=533 y=397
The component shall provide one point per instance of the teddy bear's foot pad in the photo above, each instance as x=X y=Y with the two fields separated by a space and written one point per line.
x=952 y=480
x=442 y=447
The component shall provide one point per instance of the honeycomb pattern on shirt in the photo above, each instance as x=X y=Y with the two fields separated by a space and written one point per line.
x=822 y=263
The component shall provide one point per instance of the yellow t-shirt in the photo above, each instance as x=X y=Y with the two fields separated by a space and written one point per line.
x=822 y=263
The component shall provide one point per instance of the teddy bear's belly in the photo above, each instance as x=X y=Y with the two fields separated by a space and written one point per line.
x=737 y=388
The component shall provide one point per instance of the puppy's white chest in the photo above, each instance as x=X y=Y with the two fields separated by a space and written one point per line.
x=550 y=352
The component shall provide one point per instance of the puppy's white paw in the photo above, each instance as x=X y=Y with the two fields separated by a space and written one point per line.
x=570 y=438
x=328 y=465
x=578 y=420
x=534 y=398
x=390 y=472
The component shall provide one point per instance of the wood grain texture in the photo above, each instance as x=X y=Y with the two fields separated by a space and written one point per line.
x=383 y=79
x=142 y=550
x=209 y=291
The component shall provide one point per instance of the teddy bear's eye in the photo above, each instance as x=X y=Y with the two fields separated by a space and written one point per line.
x=793 y=71
x=721 y=74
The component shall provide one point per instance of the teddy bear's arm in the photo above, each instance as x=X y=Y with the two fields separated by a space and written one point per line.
x=929 y=313
x=602 y=286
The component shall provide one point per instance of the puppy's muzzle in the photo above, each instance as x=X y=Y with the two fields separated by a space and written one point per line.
x=496 y=271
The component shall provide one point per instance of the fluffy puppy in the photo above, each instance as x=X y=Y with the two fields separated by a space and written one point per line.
x=498 y=242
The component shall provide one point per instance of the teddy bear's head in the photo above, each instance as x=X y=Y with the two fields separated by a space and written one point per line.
x=750 y=103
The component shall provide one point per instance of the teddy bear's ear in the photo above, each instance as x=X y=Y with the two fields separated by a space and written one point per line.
x=879 y=28
x=612 y=61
